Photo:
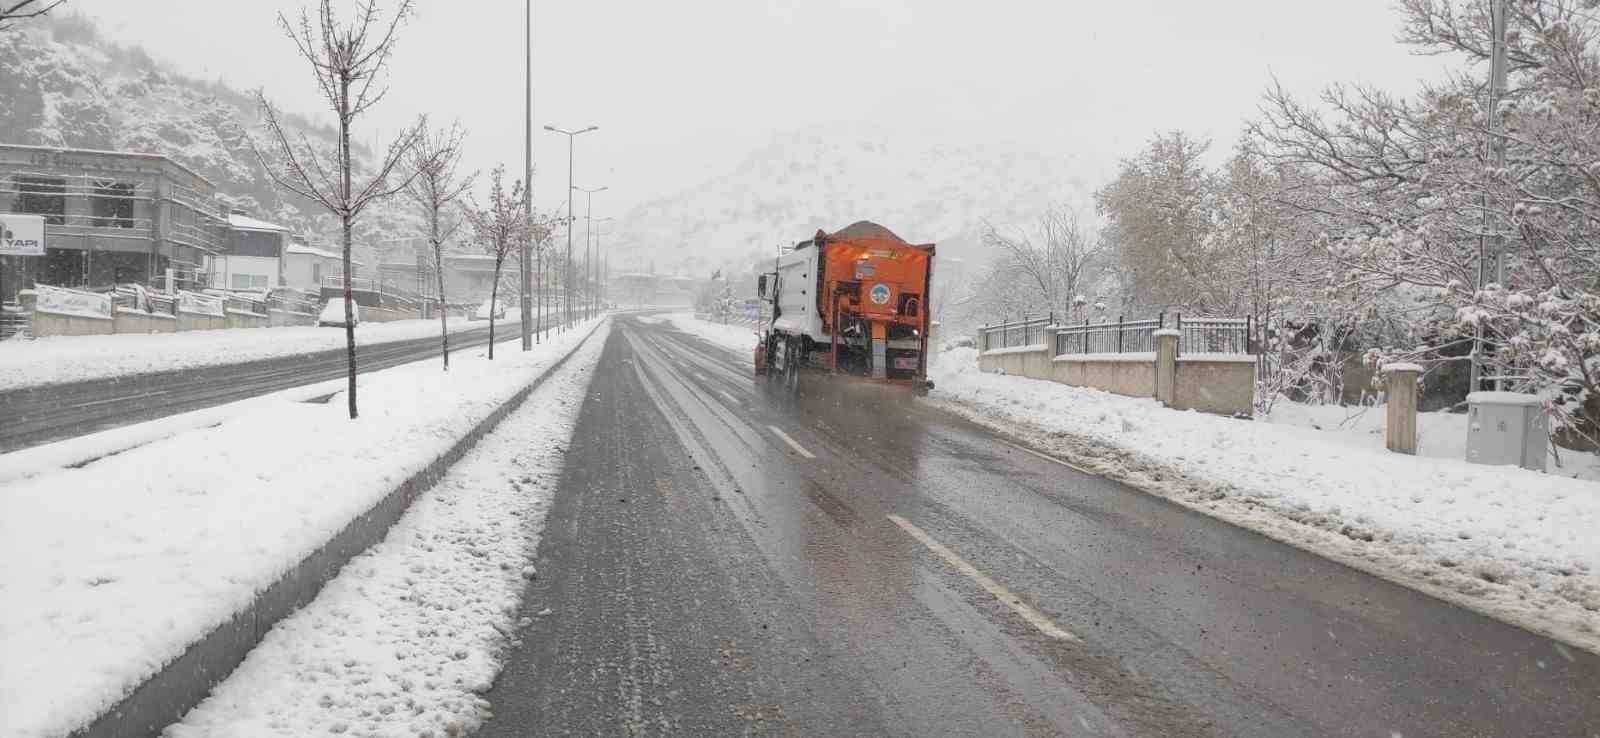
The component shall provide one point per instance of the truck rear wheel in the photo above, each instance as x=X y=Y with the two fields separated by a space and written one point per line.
x=791 y=365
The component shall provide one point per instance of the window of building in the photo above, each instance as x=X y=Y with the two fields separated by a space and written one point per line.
x=113 y=204
x=255 y=243
x=316 y=272
x=45 y=196
x=249 y=282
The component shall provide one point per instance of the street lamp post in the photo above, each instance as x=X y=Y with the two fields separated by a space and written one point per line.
x=567 y=287
x=599 y=273
x=526 y=274
x=588 y=253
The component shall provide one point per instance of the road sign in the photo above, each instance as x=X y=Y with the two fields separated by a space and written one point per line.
x=21 y=235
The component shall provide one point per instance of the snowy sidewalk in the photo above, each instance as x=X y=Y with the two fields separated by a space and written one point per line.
x=410 y=633
x=59 y=359
x=111 y=569
x=1513 y=544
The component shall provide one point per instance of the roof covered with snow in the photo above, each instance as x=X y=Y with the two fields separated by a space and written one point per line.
x=246 y=223
x=300 y=248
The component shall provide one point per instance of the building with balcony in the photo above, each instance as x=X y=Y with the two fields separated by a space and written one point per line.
x=110 y=218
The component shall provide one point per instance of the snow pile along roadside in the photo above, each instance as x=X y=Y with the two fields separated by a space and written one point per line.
x=739 y=338
x=411 y=632
x=1511 y=543
x=1441 y=435
x=60 y=359
x=110 y=569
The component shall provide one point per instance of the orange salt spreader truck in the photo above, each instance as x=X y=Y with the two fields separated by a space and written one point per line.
x=853 y=303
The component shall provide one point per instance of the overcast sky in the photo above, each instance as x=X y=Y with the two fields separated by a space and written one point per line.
x=682 y=90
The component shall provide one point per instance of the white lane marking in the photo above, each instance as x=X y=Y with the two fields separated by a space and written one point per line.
x=1050 y=458
x=792 y=443
x=730 y=396
x=1034 y=617
x=119 y=399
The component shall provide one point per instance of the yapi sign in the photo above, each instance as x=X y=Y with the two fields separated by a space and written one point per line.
x=21 y=235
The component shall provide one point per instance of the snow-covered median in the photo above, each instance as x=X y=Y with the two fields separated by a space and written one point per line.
x=60 y=359
x=410 y=633
x=1513 y=544
x=111 y=569
x=739 y=338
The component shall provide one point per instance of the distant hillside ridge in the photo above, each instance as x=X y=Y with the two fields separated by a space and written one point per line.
x=827 y=176
x=64 y=85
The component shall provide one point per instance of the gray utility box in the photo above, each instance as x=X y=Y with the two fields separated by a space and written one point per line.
x=1506 y=428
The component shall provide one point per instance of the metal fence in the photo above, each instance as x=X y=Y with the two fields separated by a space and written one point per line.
x=135 y=297
x=293 y=301
x=1216 y=336
x=1196 y=335
x=1121 y=337
x=1025 y=332
x=252 y=303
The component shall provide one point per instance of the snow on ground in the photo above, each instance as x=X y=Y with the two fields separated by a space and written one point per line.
x=110 y=569
x=1507 y=542
x=59 y=359
x=409 y=634
x=740 y=338
x=1441 y=435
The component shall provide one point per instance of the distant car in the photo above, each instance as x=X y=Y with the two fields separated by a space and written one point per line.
x=482 y=313
x=333 y=314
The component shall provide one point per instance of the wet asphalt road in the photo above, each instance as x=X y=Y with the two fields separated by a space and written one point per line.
x=898 y=571
x=39 y=415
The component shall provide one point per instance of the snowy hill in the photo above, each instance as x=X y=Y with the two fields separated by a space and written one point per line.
x=61 y=84
x=832 y=175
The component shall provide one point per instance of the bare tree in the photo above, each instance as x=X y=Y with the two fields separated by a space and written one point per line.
x=499 y=228
x=436 y=189
x=1057 y=263
x=349 y=62
x=1160 y=213
x=24 y=9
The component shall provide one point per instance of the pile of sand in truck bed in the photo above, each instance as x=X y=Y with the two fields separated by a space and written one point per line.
x=864 y=229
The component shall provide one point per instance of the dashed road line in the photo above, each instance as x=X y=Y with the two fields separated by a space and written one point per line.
x=1034 y=617
x=792 y=443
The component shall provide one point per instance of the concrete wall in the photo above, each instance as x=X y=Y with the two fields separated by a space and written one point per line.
x=1213 y=384
x=54 y=324
x=237 y=319
x=280 y=318
x=197 y=322
x=1133 y=376
x=1220 y=385
x=139 y=321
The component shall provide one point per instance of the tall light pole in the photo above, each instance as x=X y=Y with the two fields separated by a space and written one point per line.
x=588 y=253
x=1497 y=155
x=599 y=261
x=566 y=288
x=526 y=275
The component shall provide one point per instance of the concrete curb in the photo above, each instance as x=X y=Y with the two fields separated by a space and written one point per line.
x=166 y=696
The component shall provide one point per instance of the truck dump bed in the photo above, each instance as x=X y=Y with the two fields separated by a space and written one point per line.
x=855 y=301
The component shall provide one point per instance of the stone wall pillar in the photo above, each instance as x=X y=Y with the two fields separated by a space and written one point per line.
x=1167 y=366
x=1401 y=422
